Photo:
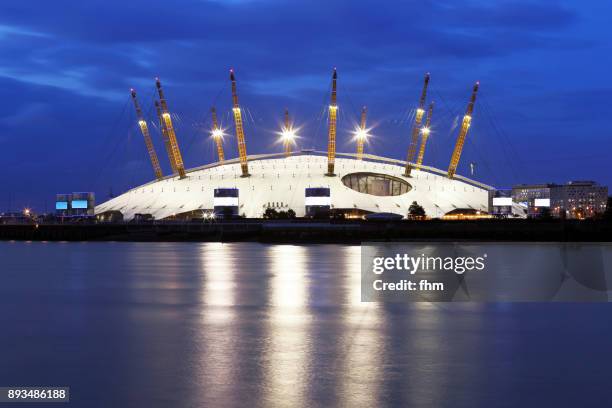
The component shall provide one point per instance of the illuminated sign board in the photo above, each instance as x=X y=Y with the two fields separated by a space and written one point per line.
x=317 y=196
x=542 y=202
x=225 y=197
x=317 y=201
x=502 y=201
x=225 y=202
x=79 y=204
x=61 y=205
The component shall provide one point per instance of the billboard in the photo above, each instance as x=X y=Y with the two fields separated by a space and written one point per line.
x=61 y=205
x=502 y=201
x=541 y=202
x=225 y=201
x=317 y=201
x=225 y=197
x=79 y=204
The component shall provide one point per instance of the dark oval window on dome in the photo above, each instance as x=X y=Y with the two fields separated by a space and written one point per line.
x=376 y=184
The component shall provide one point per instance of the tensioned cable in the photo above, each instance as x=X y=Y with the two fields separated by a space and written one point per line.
x=507 y=147
x=323 y=116
x=448 y=140
x=107 y=159
x=472 y=145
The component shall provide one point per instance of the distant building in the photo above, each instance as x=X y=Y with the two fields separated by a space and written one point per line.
x=528 y=195
x=529 y=192
x=576 y=199
x=75 y=205
x=14 y=217
x=501 y=203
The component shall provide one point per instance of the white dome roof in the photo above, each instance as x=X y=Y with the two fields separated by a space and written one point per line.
x=280 y=182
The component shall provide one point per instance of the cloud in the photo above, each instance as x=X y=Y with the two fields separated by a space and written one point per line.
x=92 y=47
x=67 y=68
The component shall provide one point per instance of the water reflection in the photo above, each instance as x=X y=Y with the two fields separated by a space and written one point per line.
x=218 y=263
x=288 y=326
x=361 y=354
x=288 y=279
x=246 y=324
x=218 y=338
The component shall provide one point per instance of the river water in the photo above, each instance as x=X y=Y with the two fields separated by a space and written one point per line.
x=248 y=324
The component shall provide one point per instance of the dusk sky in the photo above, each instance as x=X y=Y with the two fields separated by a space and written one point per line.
x=66 y=67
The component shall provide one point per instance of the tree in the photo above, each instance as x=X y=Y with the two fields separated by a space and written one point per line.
x=415 y=211
x=270 y=214
x=273 y=214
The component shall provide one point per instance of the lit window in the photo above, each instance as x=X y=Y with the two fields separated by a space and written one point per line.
x=376 y=184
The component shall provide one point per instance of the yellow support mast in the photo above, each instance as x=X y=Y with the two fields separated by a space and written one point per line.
x=244 y=165
x=361 y=134
x=217 y=134
x=465 y=126
x=147 y=137
x=287 y=133
x=165 y=137
x=416 y=127
x=333 y=112
x=425 y=131
x=176 y=153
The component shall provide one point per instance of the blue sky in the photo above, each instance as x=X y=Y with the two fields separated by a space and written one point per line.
x=66 y=67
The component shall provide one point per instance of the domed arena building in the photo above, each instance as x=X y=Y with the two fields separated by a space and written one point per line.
x=307 y=182
x=371 y=185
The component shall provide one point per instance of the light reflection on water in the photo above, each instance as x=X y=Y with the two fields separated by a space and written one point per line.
x=219 y=285
x=218 y=296
x=246 y=324
x=288 y=325
x=361 y=355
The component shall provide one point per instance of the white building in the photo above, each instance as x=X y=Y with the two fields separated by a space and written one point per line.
x=374 y=184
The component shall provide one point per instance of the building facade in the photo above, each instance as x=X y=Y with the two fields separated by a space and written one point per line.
x=574 y=200
x=75 y=205
x=578 y=199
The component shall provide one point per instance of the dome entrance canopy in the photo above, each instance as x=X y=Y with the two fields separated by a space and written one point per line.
x=376 y=184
